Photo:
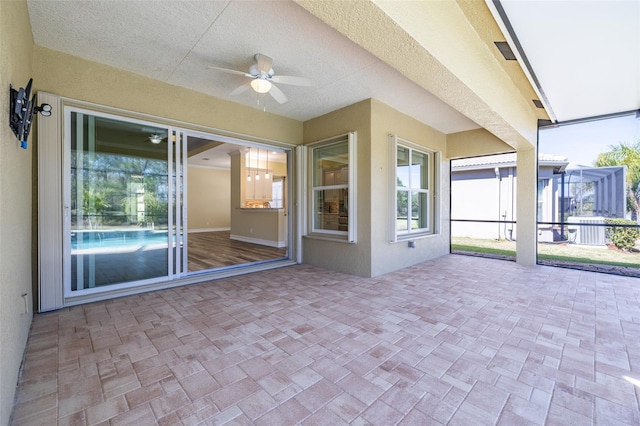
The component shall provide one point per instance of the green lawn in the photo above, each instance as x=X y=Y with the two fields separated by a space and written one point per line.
x=558 y=252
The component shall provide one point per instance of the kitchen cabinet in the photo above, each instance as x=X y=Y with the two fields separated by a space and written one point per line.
x=258 y=190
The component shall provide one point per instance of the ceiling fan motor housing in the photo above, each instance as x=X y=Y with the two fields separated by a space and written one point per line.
x=255 y=72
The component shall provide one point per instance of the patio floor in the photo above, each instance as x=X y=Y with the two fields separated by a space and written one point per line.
x=458 y=340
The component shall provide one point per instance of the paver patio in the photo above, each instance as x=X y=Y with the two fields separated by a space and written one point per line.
x=458 y=340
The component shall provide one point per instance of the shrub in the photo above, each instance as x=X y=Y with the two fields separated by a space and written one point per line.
x=622 y=237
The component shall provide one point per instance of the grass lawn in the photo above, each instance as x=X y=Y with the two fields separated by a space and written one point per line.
x=553 y=252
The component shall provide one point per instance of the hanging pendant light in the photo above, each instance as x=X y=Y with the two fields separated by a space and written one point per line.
x=249 y=171
x=257 y=165
x=266 y=175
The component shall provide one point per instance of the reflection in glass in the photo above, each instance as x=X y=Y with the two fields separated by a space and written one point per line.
x=402 y=211
x=419 y=170
x=412 y=180
x=419 y=210
x=331 y=183
x=118 y=200
x=402 y=170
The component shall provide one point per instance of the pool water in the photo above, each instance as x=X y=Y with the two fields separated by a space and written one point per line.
x=87 y=240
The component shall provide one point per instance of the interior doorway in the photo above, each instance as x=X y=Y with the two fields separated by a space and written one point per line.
x=236 y=203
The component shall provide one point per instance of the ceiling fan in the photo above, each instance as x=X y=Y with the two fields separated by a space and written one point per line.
x=155 y=138
x=263 y=78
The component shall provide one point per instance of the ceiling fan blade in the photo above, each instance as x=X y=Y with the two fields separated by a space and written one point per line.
x=290 y=79
x=230 y=71
x=278 y=95
x=264 y=63
x=241 y=89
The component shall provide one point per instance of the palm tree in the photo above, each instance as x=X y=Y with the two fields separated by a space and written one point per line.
x=626 y=154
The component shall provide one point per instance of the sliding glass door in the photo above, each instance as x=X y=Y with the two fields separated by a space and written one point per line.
x=120 y=208
x=128 y=185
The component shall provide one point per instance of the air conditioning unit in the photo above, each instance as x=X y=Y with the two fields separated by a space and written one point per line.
x=587 y=230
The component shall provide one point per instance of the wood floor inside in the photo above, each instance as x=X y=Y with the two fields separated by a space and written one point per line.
x=210 y=250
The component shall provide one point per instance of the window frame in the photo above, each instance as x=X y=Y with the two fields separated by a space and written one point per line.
x=350 y=235
x=433 y=182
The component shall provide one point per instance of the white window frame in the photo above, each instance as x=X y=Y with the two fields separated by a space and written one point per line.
x=350 y=235
x=433 y=182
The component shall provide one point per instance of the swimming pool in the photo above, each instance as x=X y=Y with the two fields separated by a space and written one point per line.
x=120 y=239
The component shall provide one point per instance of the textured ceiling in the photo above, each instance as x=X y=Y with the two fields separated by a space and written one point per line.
x=176 y=42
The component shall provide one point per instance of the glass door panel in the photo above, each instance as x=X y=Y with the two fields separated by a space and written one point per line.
x=117 y=202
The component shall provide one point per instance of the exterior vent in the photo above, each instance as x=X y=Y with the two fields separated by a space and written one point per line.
x=537 y=103
x=586 y=230
x=505 y=49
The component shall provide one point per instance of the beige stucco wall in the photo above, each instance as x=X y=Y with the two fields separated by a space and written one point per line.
x=526 y=207
x=339 y=255
x=386 y=256
x=473 y=143
x=373 y=254
x=208 y=198
x=76 y=78
x=15 y=206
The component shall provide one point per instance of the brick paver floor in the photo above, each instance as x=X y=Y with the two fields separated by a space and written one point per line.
x=457 y=340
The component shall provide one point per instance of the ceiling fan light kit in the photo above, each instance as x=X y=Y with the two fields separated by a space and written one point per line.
x=263 y=78
x=155 y=139
x=261 y=85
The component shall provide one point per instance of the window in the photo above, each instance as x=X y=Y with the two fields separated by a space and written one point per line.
x=332 y=206
x=277 y=195
x=414 y=196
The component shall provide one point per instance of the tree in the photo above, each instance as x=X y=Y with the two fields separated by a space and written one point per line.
x=626 y=154
x=93 y=205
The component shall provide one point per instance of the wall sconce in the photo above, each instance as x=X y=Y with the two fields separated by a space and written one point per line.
x=43 y=109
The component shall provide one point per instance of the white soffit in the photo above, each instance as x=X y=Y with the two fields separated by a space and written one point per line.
x=176 y=41
x=584 y=54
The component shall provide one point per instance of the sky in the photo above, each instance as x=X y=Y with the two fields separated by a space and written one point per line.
x=581 y=143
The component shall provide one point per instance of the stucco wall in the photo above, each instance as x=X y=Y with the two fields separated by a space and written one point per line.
x=386 y=256
x=208 y=198
x=15 y=204
x=473 y=143
x=338 y=255
x=73 y=77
